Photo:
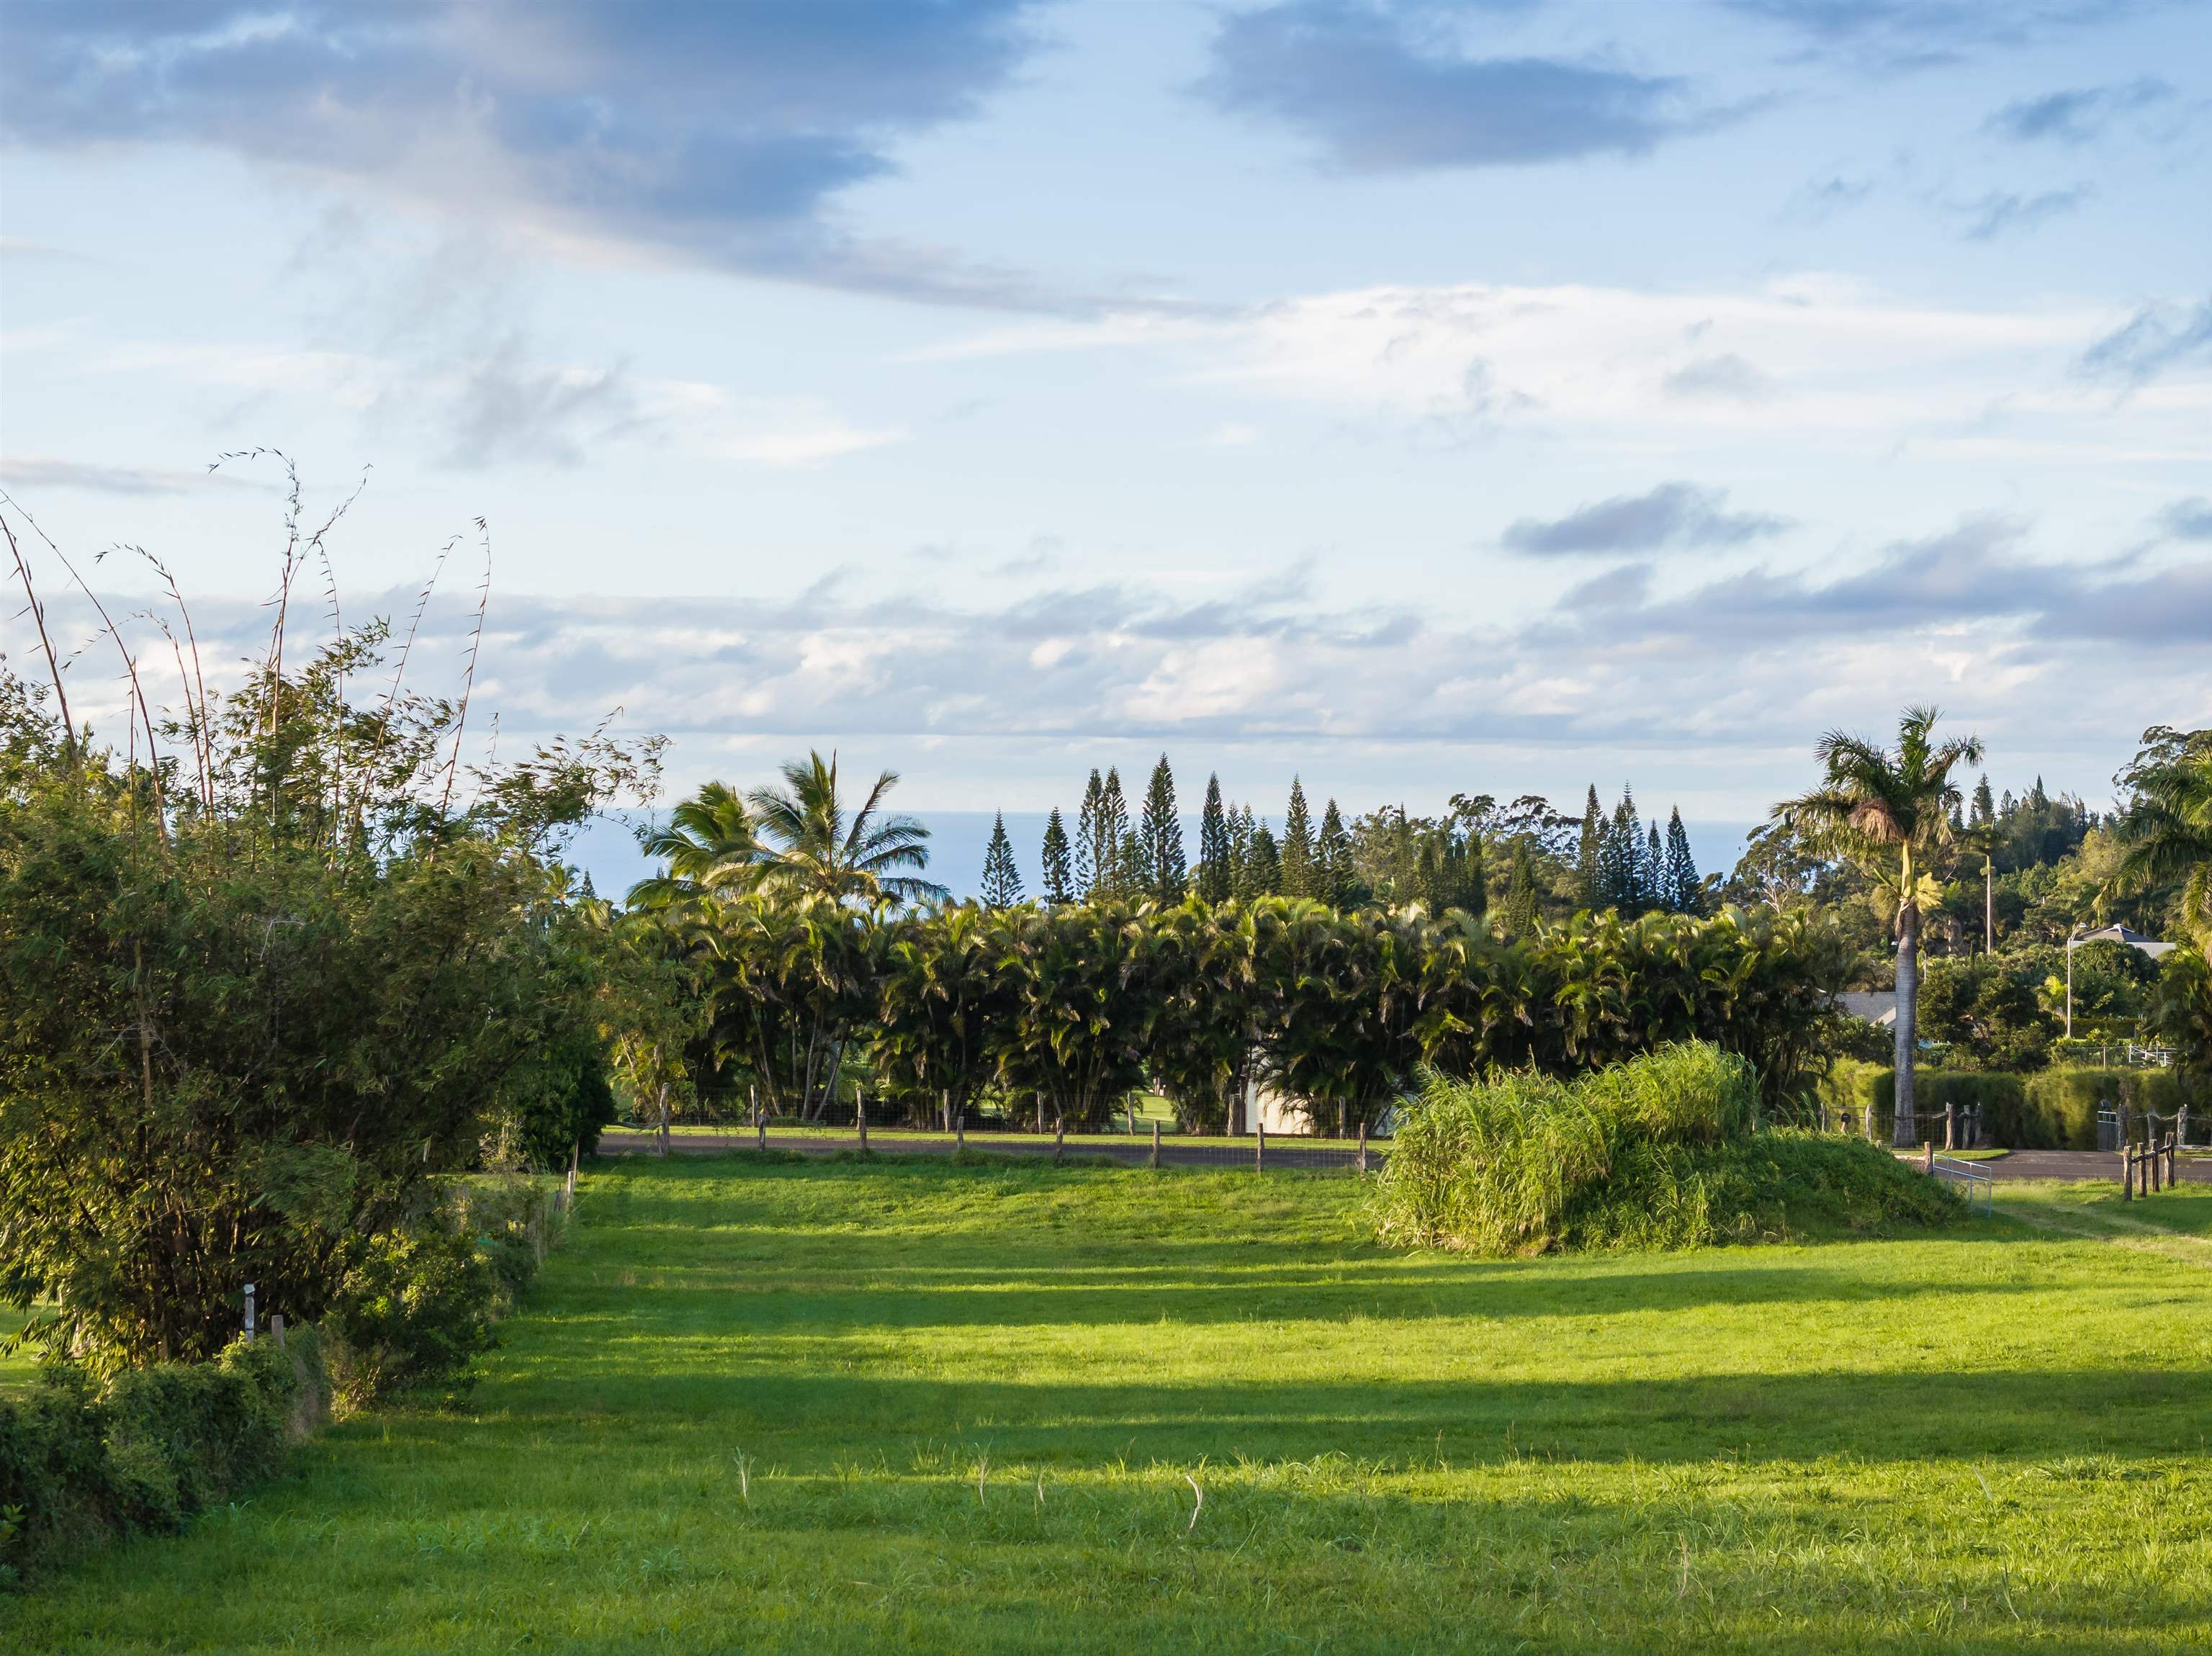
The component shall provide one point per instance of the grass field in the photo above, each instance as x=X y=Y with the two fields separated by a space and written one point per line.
x=17 y=1368
x=903 y=1406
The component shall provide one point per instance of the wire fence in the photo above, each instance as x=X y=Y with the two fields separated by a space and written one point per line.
x=1263 y=1152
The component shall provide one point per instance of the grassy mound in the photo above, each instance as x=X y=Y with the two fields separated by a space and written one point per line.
x=1660 y=1152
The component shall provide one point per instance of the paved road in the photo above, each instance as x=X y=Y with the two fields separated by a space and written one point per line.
x=2076 y=1164
x=1284 y=1153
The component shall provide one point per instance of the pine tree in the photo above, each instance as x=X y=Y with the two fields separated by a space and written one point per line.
x=1590 y=856
x=1216 y=871
x=1652 y=871
x=1129 y=875
x=1685 y=892
x=1298 y=849
x=1114 y=867
x=1166 y=869
x=1002 y=881
x=1059 y=883
x=1090 y=866
x=1240 y=851
x=1520 y=900
x=1619 y=850
x=1985 y=808
x=1333 y=859
x=1263 y=864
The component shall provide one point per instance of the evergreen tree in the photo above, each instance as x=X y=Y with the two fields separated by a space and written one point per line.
x=1619 y=859
x=1166 y=869
x=1263 y=864
x=1653 y=893
x=1685 y=892
x=1114 y=865
x=1129 y=875
x=1332 y=860
x=1298 y=846
x=1090 y=865
x=1002 y=881
x=1985 y=808
x=1216 y=874
x=1240 y=850
x=1059 y=880
x=1521 y=898
x=1589 y=873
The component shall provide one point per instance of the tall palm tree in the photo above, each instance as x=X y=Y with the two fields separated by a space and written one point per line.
x=812 y=845
x=2167 y=835
x=1890 y=810
x=708 y=844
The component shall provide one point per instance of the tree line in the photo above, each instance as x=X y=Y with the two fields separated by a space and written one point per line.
x=1522 y=861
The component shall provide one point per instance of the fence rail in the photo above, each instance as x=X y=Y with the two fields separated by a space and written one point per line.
x=1263 y=1152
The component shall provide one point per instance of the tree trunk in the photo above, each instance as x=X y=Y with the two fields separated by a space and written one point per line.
x=664 y=1118
x=1904 y=1127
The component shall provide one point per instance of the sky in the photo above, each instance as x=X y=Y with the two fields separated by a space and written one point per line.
x=1493 y=398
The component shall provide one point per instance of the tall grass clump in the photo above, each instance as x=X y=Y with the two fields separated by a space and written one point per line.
x=1662 y=1151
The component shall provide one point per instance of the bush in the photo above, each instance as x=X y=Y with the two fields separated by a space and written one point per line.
x=421 y=1302
x=152 y=1450
x=2053 y=1109
x=1662 y=1151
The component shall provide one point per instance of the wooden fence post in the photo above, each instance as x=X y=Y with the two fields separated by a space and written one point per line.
x=1363 y=1147
x=1260 y=1149
x=2127 y=1171
x=576 y=1153
x=1950 y=1122
x=860 y=1115
x=1156 y=1144
x=1928 y=1157
x=1058 y=1138
x=960 y=1131
x=760 y=1121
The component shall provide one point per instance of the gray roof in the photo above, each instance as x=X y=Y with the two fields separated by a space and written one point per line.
x=1874 y=1005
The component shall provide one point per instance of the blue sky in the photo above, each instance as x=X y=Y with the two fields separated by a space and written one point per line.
x=1487 y=398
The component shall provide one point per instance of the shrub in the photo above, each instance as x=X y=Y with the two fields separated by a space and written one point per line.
x=2053 y=1109
x=149 y=1452
x=412 y=1314
x=1662 y=1151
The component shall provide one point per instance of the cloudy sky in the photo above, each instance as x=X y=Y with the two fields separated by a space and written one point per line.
x=1485 y=397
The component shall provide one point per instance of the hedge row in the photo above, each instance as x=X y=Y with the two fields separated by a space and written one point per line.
x=2051 y=1109
x=80 y=1467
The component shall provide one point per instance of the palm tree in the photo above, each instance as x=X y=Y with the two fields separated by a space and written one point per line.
x=1876 y=805
x=2167 y=835
x=708 y=844
x=812 y=846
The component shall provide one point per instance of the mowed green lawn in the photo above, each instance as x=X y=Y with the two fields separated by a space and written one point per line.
x=890 y=1406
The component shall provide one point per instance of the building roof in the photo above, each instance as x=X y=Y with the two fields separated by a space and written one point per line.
x=2129 y=935
x=1877 y=1006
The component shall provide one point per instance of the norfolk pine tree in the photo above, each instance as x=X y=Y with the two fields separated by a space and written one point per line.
x=1059 y=878
x=1091 y=865
x=1002 y=881
x=1166 y=871
x=1297 y=847
x=1590 y=877
x=1217 y=873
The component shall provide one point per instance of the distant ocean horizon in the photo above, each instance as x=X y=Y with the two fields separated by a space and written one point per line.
x=607 y=848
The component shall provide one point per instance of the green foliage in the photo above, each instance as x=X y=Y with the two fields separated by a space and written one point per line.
x=1657 y=1152
x=1163 y=870
x=1058 y=871
x=1002 y=879
x=2180 y=1013
x=154 y=1448
x=237 y=1034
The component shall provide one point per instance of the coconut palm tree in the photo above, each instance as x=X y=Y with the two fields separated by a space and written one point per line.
x=1890 y=810
x=812 y=845
x=709 y=845
x=2167 y=833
